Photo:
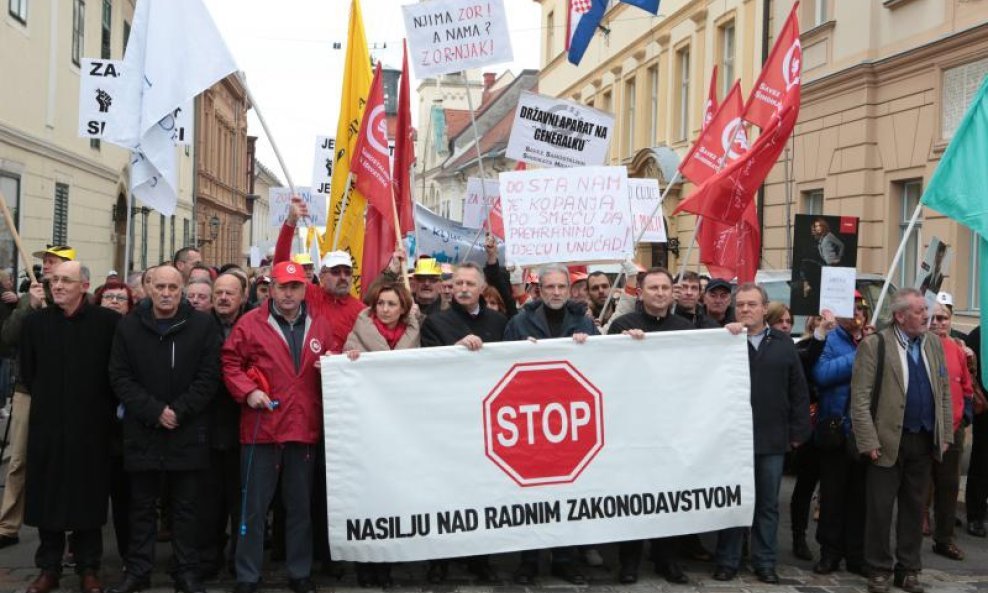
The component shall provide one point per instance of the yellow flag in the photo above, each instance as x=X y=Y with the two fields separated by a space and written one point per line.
x=348 y=234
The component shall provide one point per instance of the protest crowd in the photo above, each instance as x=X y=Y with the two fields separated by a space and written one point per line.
x=187 y=399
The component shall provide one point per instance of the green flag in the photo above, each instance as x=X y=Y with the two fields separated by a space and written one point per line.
x=959 y=187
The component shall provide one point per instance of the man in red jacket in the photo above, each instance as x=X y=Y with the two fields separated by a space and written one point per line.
x=270 y=364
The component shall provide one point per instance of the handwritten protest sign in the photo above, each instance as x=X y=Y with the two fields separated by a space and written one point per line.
x=566 y=215
x=645 y=198
x=279 y=198
x=480 y=198
x=558 y=133
x=322 y=164
x=837 y=290
x=454 y=35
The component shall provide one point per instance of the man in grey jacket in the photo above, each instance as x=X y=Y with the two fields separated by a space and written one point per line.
x=901 y=428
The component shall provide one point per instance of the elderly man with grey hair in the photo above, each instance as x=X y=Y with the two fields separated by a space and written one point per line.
x=556 y=315
x=902 y=420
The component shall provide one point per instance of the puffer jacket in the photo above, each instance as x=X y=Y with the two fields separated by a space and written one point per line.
x=530 y=322
x=832 y=375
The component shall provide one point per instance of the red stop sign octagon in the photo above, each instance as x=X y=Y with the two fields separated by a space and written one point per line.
x=543 y=423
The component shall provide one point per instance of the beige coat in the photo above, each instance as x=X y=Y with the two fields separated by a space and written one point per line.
x=366 y=338
x=885 y=431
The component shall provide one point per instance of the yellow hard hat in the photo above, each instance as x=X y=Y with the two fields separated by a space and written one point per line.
x=427 y=266
x=303 y=259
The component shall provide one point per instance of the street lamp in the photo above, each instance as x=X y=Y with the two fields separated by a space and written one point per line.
x=214 y=227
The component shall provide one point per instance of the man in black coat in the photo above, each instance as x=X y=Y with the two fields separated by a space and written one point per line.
x=651 y=315
x=64 y=354
x=165 y=370
x=220 y=507
x=468 y=323
x=780 y=408
x=554 y=316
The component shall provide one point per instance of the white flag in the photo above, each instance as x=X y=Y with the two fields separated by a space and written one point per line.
x=174 y=53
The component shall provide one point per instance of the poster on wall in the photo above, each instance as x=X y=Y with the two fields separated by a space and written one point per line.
x=819 y=241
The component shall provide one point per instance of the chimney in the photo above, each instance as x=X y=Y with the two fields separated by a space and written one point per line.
x=489 y=80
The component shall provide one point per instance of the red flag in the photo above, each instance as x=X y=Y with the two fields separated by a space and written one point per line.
x=730 y=251
x=724 y=135
x=778 y=83
x=370 y=163
x=379 y=244
x=710 y=107
x=725 y=196
x=404 y=152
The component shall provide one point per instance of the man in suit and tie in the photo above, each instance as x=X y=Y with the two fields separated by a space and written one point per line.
x=901 y=428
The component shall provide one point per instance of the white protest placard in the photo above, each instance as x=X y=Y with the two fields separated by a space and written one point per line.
x=101 y=83
x=455 y=35
x=566 y=215
x=280 y=198
x=480 y=198
x=559 y=133
x=255 y=256
x=645 y=199
x=837 y=290
x=322 y=164
x=550 y=443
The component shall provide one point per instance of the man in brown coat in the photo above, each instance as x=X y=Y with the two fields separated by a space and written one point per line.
x=908 y=424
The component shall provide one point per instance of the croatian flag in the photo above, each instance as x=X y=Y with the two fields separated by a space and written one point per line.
x=584 y=19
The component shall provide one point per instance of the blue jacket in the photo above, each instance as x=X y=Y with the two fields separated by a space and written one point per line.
x=832 y=375
x=530 y=322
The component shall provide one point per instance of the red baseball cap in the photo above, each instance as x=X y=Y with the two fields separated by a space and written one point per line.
x=287 y=271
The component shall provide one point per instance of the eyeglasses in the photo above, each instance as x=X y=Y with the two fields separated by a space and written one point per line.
x=339 y=271
x=120 y=298
x=64 y=280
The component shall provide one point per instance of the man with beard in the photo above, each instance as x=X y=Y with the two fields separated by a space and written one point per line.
x=71 y=417
x=220 y=507
x=688 y=302
x=468 y=323
x=599 y=289
x=554 y=316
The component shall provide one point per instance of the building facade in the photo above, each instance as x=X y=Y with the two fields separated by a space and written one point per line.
x=257 y=230
x=223 y=172
x=884 y=85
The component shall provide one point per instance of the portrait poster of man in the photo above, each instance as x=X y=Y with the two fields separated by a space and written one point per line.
x=932 y=270
x=819 y=241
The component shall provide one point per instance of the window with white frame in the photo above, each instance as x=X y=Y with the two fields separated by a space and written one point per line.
x=630 y=99
x=683 y=111
x=960 y=84
x=813 y=201
x=727 y=47
x=106 y=23
x=820 y=14
x=550 y=36
x=909 y=193
x=18 y=10
x=10 y=187
x=653 y=104
x=78 y=29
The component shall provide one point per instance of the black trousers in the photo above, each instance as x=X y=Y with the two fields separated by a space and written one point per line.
x=945 y=485
x=219 y=511
x=905 y=483
x=87 y=547
x=807 y=461
x=976 y=494
x=563 y=555
x=120 y=504
x=183 y=497
x=630 y=552
x=840 y=531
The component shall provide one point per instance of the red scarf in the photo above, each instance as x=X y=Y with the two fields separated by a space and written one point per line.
x=391 y=336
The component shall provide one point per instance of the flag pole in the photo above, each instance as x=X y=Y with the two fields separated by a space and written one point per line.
x=895 y=262
x=480 y=160
x=641 y=233
x=17 y=238
x=398 y=242
x=274 y=146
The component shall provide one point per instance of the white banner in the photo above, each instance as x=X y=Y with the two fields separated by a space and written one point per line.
x=480 y=198
x=566 y=215
x=280 y=198
x=447 y=36
x=446 y=240
x=537 y=445
x=559 y=133
x=100 y=88
x=645 y=198
x=322 y=164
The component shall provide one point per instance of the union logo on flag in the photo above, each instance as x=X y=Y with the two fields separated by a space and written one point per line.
x=581 y=6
